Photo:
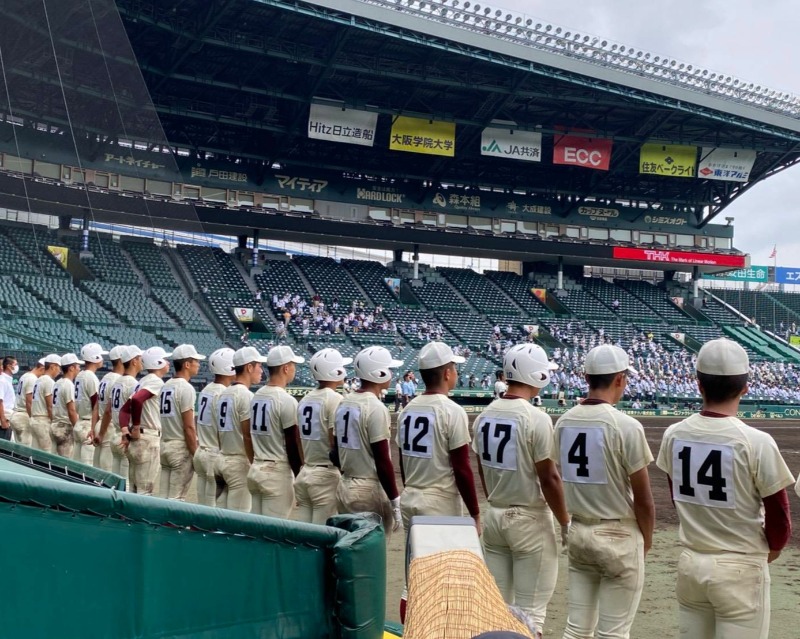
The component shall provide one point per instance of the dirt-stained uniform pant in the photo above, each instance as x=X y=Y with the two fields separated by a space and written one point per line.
x=606 y=576
x=176 y=470
x=427 y=502
x=119 y=457
x=206 y=464
x=723 y=596
x=40 y=433
x=365 y=495
x=522 y=555
x=271 y=486
x=315 y=491
x=143 y=457
x=61 y=438
x=235 y=494
x=21 y=425
x=81 y=451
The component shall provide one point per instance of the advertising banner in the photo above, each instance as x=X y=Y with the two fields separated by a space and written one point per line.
x=681 y=337
x=726 y=164
x=394 y=284
x=673 y=160
x=416 y=135
x=679 y=257
x=339 y=125
x=787 y=275
x=678 y=301
x=540 y=294
x=509 y=143
x=243 y=314
x=751 y=274
x=592 y=153
x=794 y=340
x=61 y=253
x=531 y=329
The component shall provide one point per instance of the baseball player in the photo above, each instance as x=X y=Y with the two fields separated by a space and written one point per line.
x=500 y=386
x=65 y=414
x=102 y=447
x=207 y=457
x=86 y=389
x=315 y=486
x=604 y=456
x=178 y=432
x=231 y=413
x=121 y=391
x=276 y=446
x=362 y=443
x=42 y=404
x=514 y=445
x=140 y=423
x=7 y=395
x=21 y=417
x=728 y=484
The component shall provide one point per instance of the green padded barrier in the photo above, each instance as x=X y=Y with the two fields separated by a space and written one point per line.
x=59 y=466
x=88 y=562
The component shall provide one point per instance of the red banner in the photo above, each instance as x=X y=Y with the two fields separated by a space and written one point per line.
x=592 y=153
x=678 y=257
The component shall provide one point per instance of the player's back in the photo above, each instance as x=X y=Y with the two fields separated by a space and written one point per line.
x=151 y=418
x=361 y=420
x=316 y=416
x=24 y=386
x=41 y=389
x=272 y=410
x=598 y=448
x=231 y=408
x=104 y=390
x=86 y=385
x=428 y=428
x=511 y=436
x=121 y=392
x=177 y=396
x=207 y=435
x=63 y=394
x=721 y=468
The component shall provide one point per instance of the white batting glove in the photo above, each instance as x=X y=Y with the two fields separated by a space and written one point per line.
x=565 y=536
x=398 y=517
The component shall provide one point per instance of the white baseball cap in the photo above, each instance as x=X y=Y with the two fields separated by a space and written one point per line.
x=155 y=358
x=52 y=358
x=221 y=362
x=435 y=354
x=606 y=359
x=187 y=351
x=374 y=364
x=116 y=352
x=93 y=353
x=41 y=362
x=528 y=364
x=247 y=354
x=127 y=353
x=280 y=355
x=722 y=357
x=69 y=359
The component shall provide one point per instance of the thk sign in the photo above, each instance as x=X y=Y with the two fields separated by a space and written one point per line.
x=591 y=153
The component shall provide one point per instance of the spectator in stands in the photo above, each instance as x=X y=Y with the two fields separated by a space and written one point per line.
x=246 y=335
x=615 y=304
x=500 y=386
x=7 y=396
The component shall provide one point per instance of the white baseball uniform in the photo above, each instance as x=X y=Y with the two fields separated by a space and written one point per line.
x=598 y=449
x=270 y=479
x=20 y=420
x=231 y=408
x=86 y=385
x=315 y=486
x=143 y=452
x=176 y=399
x=207 y=457
x=511 y=437
x=428 y=428
x=61 y=427
x=362 y=420
x=102 y=453
x=121 y=392
x=40 y=418
x=721 y=469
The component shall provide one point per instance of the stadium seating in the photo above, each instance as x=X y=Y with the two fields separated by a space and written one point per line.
x=519 y=289
x=656 y=299
x=150 y=260
x=280 y=277
x=583 y=304
x=370 y=275
x=481 y=292
x=439 y=296
x=330 y=280
x=631 y=308
x=33 y=242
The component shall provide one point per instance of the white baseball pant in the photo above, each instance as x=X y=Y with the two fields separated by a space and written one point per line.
x=235 y=495
x=365 y=495
x=20 y=424
x=40 y=433
x=61 y=438
x=176 y=470
x=80 y=451
x=315 y=491
x=271 y=486
x=143 y=457
x=421 y=502
x=206 y=464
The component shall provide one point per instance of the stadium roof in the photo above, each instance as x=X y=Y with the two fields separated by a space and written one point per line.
x=235 y=78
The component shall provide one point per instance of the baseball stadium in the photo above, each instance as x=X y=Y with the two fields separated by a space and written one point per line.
x=355 y=193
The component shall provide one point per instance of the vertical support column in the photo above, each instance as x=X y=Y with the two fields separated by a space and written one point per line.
x=398 y=255
x=560 y=273
x=85 y=235
x=695 y=284
x=254 y=256
x=416 y=261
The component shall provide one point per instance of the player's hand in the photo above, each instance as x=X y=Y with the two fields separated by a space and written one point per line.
x=96 y=441
x=773 y=555
x=647 y=547
x=398 y=517
x=478 y=525
x=565 y=536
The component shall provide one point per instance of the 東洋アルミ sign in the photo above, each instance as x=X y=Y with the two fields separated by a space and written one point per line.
x=726 y=164
x=576 y=150
x=678 y=257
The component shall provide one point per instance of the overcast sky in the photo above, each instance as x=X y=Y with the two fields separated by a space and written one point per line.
x=754 y=40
